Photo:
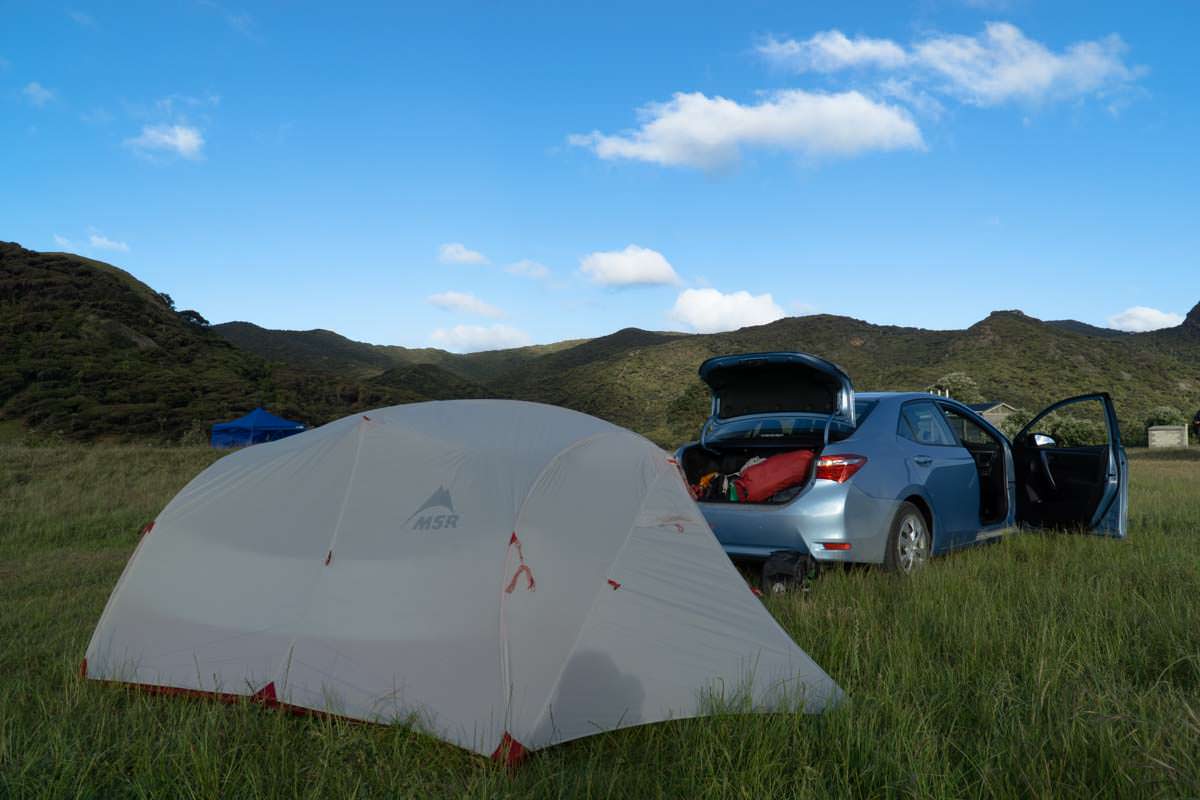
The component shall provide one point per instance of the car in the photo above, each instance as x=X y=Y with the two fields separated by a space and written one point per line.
x=888 y=478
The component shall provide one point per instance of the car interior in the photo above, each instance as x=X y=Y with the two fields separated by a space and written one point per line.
x=988 y=453
x=1061 y=461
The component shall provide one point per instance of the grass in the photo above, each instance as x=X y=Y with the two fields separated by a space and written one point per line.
x=1043 y=666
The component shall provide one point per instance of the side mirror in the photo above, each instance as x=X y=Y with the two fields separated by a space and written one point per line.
x=1042 y=440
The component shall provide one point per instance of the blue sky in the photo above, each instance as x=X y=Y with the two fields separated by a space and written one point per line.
x=471 y=176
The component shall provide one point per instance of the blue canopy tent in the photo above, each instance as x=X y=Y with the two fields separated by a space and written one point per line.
x=257 y=426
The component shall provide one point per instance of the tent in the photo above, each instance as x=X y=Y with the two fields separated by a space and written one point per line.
x=257 y=426
x=508 y=575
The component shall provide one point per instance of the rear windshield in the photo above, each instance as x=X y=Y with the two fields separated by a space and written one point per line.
x=792 y=428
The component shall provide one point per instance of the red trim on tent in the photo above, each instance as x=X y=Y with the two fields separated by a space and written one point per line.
x=614 y=584
x=149 y=526
x=672 y=461
x=178 y=691
x=531 y=584
x=368 y=419
x=510 y=751
x=266 y=695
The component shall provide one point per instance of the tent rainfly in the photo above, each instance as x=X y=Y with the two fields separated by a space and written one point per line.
x=509 y=574
x=256 y=427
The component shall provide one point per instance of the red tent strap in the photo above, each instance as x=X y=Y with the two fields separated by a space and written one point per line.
x=614 y=584
x=149 y=526
x=510 y=751
x=531 y=584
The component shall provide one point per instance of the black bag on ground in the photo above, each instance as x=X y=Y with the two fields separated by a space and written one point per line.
x=788 y=570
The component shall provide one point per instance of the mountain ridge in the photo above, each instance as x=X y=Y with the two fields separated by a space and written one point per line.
x=91 y=352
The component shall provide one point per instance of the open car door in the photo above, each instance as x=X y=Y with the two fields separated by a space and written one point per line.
x=1071 y=470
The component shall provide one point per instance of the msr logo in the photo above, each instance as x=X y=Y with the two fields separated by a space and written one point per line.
x=426 y=517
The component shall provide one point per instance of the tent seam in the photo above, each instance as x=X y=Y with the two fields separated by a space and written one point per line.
x=596 y=599
x=505 y=665
x=285 y=667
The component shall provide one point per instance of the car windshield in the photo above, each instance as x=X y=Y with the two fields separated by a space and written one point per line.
x=785 y=428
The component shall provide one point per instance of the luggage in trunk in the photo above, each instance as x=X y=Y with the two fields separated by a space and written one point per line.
x=771 y=476
x=746 y=475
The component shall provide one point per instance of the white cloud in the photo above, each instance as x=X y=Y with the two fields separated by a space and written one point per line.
x=472 y=338
x=457 y=253
x=182 y=140
x=464 y=303
x=998 y=65
x=710 y=311
x=528 y=269
x=709 y=132
x=916 y=98
x=63 y=242
x=1003 y=64
x=101 y=242
x=829 y=51
x=1141 y=318
x=633 y=266
x=37 y=94
x=80 y=18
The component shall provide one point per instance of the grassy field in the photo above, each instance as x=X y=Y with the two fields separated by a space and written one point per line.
x=1044 y=666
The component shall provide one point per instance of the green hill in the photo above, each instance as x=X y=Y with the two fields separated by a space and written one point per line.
x=432 y=382
x=331 y=352
x=1086 y=329
x=88 y=350
x=1013 y=357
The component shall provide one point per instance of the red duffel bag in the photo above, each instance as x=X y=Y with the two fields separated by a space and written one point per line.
x=772 y=476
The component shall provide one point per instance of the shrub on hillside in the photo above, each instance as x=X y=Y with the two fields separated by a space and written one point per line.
x=1165 y=415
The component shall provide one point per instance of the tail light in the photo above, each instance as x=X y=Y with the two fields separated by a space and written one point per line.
x=839 y=469
x=835 y=545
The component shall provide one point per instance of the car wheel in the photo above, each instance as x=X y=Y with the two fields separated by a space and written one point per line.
x=909 y=541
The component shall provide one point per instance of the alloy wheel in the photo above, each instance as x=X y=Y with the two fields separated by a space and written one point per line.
x=912 y=544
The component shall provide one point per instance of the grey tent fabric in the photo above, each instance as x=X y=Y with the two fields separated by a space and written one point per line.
x=488 y=568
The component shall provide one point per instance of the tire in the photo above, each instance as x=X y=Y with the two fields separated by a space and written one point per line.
x=910 y=541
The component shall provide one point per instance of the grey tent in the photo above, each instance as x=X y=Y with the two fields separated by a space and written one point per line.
x=512 y=574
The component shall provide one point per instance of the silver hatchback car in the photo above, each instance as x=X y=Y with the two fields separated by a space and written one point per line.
x=888 y=478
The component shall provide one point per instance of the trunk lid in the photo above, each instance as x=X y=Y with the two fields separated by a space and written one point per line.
x=766 y=398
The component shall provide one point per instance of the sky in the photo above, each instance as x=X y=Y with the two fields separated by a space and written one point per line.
x=473 y=176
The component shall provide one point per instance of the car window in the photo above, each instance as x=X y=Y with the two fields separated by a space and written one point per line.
x=966 y=429
x=1080 y=424
x=863 y=408
x=923 y=423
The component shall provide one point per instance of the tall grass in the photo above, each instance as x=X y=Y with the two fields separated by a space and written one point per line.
x=1042 y=666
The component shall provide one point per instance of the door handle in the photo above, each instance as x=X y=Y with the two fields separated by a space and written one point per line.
x=922 y=461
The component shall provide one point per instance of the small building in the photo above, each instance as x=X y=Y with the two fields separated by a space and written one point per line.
x=1167 y=436
x=994 y=411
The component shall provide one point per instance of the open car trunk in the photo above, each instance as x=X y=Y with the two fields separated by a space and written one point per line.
x=716 y=476
x=772 y=414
